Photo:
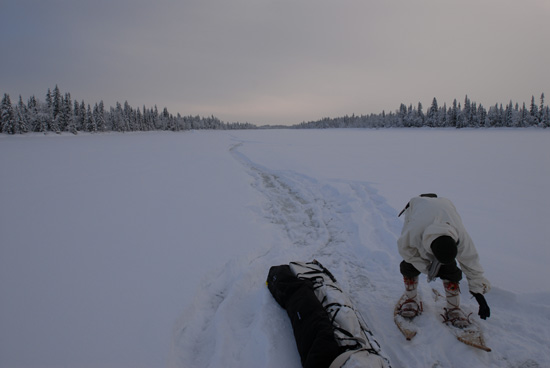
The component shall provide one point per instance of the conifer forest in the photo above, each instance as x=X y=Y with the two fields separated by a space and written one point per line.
x=60 y=113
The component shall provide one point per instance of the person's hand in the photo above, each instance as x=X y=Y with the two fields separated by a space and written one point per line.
x=484 y=310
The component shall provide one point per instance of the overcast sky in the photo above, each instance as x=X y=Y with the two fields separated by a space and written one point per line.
x=276 y=61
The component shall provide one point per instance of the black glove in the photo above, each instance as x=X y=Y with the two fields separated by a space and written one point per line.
x=484 y=310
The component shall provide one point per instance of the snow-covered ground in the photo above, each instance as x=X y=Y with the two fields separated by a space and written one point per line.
x=152 y=249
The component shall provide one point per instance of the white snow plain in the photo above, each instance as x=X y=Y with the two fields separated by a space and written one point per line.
x=152 y=249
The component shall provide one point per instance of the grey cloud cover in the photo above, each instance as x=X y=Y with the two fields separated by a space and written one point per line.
x=280 y=61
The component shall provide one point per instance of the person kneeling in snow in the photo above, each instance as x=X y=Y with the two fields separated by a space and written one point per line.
x=432 y=240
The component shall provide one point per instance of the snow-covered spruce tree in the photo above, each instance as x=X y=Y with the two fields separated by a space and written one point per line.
x=111 y=119
x=117 y=118
x=466 y=113
x=453 y=116
x=541 y=110
x=442 y=121
x=56 y=102
x=474 y=122
x=81 y=123
x=64 y=117
x=509 y=115
x=48 y=115
x=501 y=115
x=460 y=118
x=21 y=117
x=432 y=115
x=7 y=118
x=492 y=116
x=49 y=101
x=419 y=119
x=533 y=112
x=156 y=119
x=44 y=118
x=34 y=117
x=127 y=116
x=76 y=117
x=482 y=116
x=140 y=120
x=70 y=116
x=99 y=116
x=523 y=119
x=91 y=125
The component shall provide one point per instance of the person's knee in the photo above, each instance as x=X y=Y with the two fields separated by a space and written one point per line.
x=450 y=272
x=408 y=270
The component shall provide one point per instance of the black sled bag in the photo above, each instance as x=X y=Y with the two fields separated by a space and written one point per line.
x=327 y=328
x=312 y=327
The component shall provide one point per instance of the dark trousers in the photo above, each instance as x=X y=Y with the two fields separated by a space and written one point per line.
x=449 y=272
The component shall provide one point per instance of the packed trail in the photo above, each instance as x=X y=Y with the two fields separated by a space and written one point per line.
x=352 y=230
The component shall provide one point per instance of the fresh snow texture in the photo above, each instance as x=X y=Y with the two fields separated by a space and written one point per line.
x=152 y=249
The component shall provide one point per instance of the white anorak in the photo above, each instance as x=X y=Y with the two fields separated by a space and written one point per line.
x=429 y=218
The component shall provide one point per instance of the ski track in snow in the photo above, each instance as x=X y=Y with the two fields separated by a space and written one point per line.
x=352 y=231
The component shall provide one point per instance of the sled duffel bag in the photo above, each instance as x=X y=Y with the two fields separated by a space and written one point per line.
x=329 y=332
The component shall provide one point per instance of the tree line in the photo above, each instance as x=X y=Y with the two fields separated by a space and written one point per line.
x=470 y=114
x=59 y=113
